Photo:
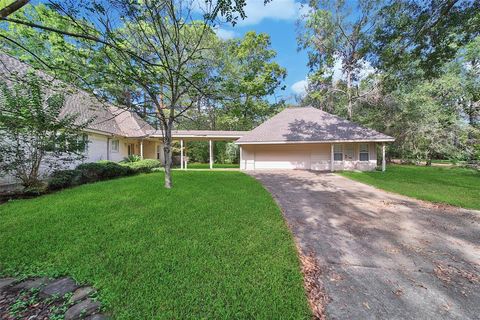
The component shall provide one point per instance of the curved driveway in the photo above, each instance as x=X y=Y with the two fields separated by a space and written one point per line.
x=382 y=256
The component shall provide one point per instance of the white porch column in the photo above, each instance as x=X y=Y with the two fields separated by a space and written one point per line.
x=241 y=161
x=210 y=147
x=383 y=157
x=181 y=154
x=332 y=157
x=141 y=149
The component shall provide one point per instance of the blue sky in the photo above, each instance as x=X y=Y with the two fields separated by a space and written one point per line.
x=278 y=19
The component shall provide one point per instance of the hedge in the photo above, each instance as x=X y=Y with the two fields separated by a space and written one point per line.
x=142 y=166
x=98 y=171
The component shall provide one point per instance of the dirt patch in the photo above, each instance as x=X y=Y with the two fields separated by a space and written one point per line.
x=317 y=297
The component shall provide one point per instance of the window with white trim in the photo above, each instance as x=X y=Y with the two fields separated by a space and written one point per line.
x=337 y=152
x=115 y=145
x=349 y=153
x=363 y=152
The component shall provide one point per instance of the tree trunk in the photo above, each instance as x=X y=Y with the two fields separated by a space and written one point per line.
x=349 y=95
x=167 y=152
x=429 y=161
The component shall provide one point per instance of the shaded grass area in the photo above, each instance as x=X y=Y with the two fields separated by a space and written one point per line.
x=215 y=166
x=214 y=247
x=451 y=185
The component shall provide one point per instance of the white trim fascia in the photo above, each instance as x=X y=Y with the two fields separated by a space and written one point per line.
x=198 y=136
x=310 y=142
x=99 y=132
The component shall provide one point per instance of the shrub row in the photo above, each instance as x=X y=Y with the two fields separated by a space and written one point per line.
x=142 y=166
x=98 y=171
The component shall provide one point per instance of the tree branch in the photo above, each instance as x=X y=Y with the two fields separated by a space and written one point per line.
x=11 y=8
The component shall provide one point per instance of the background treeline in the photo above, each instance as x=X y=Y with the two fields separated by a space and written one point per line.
x=236 y=81
x=410 y=69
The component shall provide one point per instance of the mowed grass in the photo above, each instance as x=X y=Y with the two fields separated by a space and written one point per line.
x=451 y=185
x=214 y=247
x=198 y=165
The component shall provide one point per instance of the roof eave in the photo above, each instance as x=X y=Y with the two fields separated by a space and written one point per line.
x=319 y=141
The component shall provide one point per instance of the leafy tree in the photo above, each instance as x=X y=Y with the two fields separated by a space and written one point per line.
x=158 y=46
x=416 y=38
x=245 y=78
x=248 y=76
x=332 y=32
x=464 y=75
x=36 y=137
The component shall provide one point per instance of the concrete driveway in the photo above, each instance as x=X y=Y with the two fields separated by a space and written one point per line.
x=382 y=256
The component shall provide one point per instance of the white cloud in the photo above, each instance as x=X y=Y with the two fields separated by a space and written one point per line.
x=300 y=87
x=256 y=11
x=225 y=34
x=366 y=69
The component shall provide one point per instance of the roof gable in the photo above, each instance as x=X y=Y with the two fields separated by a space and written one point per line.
x=309 y=124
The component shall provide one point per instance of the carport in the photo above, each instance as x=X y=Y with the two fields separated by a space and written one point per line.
x=184 y=136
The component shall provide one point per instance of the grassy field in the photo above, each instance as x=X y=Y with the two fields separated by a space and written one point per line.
x=215 y=166
x=450 y=185
x=214 y=247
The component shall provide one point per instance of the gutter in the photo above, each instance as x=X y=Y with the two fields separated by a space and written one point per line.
x=316 y=142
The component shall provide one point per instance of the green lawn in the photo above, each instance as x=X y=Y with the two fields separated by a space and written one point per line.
x=451 y=185
x=215 y=166
x=214 y=247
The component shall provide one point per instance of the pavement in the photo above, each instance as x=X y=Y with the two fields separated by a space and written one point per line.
x=382 y=255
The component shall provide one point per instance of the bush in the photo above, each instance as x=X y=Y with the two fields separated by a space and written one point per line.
x=104 y=170
x=142 y=166
x=62 y=179
x=35 y=190
x=132 y=158
x=98 y=171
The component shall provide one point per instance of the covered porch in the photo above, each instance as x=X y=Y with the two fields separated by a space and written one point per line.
x=151 y=147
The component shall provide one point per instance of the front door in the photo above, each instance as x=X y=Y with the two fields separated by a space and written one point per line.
x=131 y=149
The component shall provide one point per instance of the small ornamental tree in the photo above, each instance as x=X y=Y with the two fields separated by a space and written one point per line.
x=35 y=138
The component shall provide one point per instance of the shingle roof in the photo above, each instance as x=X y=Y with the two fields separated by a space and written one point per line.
x=201 y=133
x=309 y=124
x=105 y=117
x=130 y=123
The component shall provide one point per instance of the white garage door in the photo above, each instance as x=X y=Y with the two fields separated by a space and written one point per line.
x=284 y=156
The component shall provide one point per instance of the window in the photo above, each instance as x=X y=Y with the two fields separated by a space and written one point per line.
x=338 y=152
x=83 y=142
x=115 y=145
x=349 y=153
x=364 y=155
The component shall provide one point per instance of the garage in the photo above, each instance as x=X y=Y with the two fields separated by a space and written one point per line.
x=310 y=139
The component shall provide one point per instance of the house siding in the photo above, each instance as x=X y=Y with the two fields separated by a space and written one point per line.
x=97 y=150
